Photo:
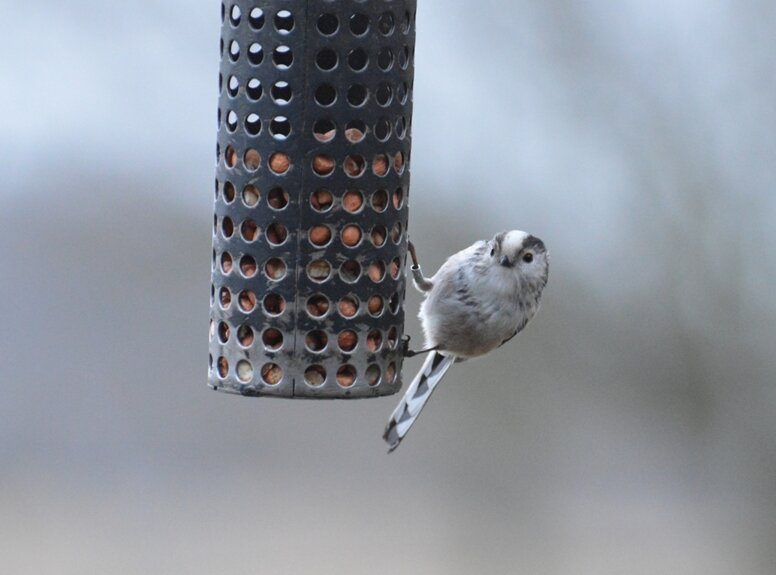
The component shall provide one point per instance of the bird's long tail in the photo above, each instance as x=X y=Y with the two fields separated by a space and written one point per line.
x=418 y=393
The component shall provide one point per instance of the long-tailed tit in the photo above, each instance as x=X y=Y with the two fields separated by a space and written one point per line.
x=479 y=299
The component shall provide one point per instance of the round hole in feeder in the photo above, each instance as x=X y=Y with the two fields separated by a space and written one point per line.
x=235 y=15
x=318 y=271
x=385 y=59
x=230 y=157
x=380 y=201
x=271 y=373
x=396 y=232
x=280 y=127
x=317 y=305
x=252 y=159
x=244 y=370
x=231 y=121
x=234 y=51
x=256 y=18
x=324 y=130
x=279 y=163
x=221 y=49
x=404 y=57
x=384 y=94
x=354 y=165
x=227 y=227
x=325 y=95
x=284 y=22
x=283 y=57
x=357 y=95
x=359 y=24
x=255 y=54
x=352 y=201
x=223 y=367
x=274 y=304
x=210 y=362
x=355 y=130
x=390 y=373
x=403 y=92
x=378 y=235
x=248 y=266
x=377 y=271
x=272 y=339
x=395 y=268
x=347 y=340
x=351 y=235
x=276 y=233
x=346 y=375
x=372 y=375
x=350 y=271
x=374 y=339
x=348 y=306
x=211 y=330
x=253 y=124
x=380 y=165
x=398 y=162
x=328 y=24
x=398 y=198
x=254 y=89
x=382 y=129
x=319 y=235
x=326 y=59
x=316 y=340
x=358 y=60
x=249 y=230
x=375 y=305
x=277 y=198
x=226 y=263
x=321 y=200
x=250 y=195
x=323 y=165
x=393 y=303
x=406 y=21
x=245 y=335
x=392 y=337
x=223 y=11
x=233 y=87
x=247 y=300
x=223 y=332
x=401 y=127
x=281 y=93
x=386 y=23
x=224 y=297
x=315 y=375
x=275 y=269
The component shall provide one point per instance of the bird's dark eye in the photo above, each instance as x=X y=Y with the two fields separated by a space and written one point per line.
x=528 y=257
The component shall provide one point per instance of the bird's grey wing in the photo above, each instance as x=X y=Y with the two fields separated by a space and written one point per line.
x=418 y=393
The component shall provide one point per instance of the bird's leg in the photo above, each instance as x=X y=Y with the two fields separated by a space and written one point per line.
x=422 y=283
x=407 y=352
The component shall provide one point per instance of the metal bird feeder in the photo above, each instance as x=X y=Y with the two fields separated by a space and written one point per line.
x=312 y=181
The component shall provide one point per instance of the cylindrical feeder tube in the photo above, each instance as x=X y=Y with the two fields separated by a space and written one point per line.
x=312 y=182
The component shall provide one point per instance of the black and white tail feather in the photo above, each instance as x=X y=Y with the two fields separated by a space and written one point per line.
x=478 y=300
x=414 y=400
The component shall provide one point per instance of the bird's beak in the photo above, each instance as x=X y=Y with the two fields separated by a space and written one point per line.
x=504 y=261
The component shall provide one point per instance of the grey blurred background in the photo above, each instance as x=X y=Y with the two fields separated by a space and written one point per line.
x=630 y=429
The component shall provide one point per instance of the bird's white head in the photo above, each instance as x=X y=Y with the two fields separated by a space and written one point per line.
x=523 y=253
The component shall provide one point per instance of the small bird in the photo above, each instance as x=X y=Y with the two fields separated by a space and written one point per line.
x=480 y=298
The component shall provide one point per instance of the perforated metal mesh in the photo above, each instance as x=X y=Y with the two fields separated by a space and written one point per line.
x=312 y=181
